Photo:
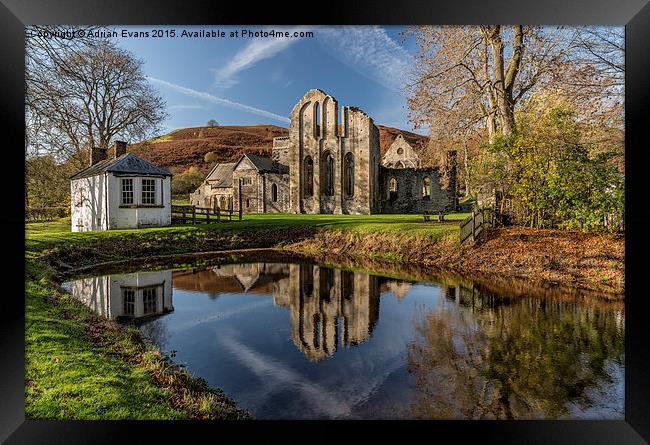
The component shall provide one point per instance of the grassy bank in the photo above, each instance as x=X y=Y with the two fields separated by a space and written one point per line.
x=80 y=366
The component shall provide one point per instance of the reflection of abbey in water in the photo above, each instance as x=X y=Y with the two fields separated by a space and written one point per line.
x=128 y=296
x=328 y=308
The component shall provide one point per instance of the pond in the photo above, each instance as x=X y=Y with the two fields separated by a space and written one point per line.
x=295 y=340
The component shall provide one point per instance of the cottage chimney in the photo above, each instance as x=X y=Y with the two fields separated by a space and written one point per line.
x=117 y=150
x=97 y=154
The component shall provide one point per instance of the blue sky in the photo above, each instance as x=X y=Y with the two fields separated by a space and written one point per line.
x=245 y=81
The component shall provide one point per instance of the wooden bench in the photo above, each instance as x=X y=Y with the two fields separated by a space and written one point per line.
x=427 y=216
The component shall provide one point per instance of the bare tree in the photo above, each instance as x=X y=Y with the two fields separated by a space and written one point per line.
x=86 y=94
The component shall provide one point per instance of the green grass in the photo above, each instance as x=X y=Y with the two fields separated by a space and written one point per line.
x=70 y=377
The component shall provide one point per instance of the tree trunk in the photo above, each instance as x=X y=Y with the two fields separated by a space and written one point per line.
x=503 y=82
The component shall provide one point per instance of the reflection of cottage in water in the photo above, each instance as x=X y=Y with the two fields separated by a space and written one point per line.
x=132 y=295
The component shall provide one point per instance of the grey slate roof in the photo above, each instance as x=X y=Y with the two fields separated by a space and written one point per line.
x=221 y=175
x=127 y=164
x=264 y=165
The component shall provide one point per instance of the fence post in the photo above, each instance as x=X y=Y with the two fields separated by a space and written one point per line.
x=218 y=214
x=207 y=216
x=194 y=215
x=473 y=224
x=240 y=199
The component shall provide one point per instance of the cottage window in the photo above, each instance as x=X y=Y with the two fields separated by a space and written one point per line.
x=274 y=193
x=149 y=300
x=246 y=181
x=400 y=164
x=400 y=151
x=148 y=191
x=127 y=191
x=328 y=174
x=222 y=202
x=426 y=188
x=309 y=176
x=230 y=203
x=128 y=302
x=349 y=174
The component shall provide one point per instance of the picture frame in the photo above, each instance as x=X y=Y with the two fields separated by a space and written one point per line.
x=633 y=14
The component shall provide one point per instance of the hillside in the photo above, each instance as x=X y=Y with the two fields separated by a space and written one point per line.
x=187 y=147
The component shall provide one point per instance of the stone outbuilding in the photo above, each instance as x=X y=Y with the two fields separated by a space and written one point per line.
x=120 y=190
x=216 y=191
x=263 y=184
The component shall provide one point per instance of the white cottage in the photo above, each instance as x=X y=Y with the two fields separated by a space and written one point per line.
x=120 y=191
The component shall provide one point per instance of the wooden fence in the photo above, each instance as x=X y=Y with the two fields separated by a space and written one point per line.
x=198 y=215
x=42 y=214
x=474 y=225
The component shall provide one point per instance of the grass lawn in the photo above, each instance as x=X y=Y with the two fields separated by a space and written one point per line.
x=40 y=236
x=70 y=377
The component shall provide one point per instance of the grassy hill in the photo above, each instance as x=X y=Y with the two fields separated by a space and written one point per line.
x=187 y=147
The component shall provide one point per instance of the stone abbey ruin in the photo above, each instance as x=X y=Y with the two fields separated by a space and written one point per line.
x=329 y=163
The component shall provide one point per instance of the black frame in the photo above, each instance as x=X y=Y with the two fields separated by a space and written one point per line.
x=634 y=14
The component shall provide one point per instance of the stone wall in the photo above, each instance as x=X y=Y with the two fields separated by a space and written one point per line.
x=251 y=191
x=207 y=196
x=280 y=151
x=408 y=197
x=315 y=134
x=281 y=182
x=400 y=153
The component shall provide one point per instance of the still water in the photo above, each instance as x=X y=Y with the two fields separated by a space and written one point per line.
x=302 y=341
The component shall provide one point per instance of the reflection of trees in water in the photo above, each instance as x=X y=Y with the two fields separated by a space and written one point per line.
x=524 y=360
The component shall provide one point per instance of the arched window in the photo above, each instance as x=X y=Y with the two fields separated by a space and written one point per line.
x=392 y=189
x=308 y=186
x=392 y=185
x=426 y=188
x=230 y=203
x=400 y=164
x=222 y=202
x=316 y=120
x=348 y=171
x=274 y=193
x=327 y=167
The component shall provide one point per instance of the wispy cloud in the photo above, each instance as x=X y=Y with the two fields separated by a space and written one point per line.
x=218 y=100
x=279 y=375
x=370 y=51
x=186 y=107
x=258 y=49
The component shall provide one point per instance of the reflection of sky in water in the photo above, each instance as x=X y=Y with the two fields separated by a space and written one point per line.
x=265 y=372
x=246 y=340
